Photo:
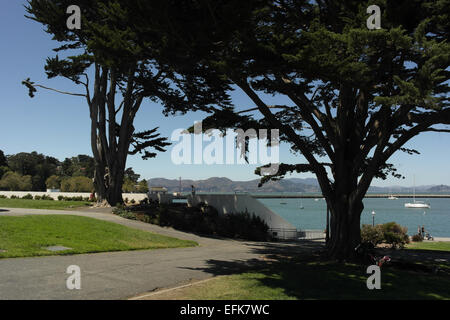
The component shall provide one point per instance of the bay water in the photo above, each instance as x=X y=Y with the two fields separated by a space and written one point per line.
x=436 y=220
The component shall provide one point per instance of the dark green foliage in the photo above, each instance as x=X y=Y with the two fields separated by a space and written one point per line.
x=390 y=233
x=28 y=196
x=395 y=234
x=36 y=165
x=373 y=235
x=75 y=174
x=202 y=219
x=140 y=141
x=3 y=170
x=13 y=181
x=53 y=182
x=77 y=184
x=81 y=165
x=417 y=238
x=3 y=160
x=131 y=175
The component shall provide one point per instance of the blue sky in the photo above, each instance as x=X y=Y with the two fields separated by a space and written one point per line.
x=58 y=125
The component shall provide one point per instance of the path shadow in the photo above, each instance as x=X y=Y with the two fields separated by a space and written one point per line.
x=4 y=210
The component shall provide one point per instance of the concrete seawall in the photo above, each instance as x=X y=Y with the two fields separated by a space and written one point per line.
x=237 y=203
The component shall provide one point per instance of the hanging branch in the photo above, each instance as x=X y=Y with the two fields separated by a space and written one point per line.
x=32 y=89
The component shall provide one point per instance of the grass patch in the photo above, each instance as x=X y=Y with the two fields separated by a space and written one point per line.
x=301 y=279
x=41 y=204
x=428 y=245
x=26 y=236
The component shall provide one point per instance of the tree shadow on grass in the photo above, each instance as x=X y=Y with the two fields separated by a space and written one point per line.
x=302 y=272
x=421 y=255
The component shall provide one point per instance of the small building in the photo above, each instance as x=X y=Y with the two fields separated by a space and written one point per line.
x=157 y=190
x=160 y=194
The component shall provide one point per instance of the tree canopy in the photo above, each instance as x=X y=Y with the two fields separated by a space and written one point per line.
x=108 y=61
x=355 y=96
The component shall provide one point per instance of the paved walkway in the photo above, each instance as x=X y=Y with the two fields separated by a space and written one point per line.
x=120 y=275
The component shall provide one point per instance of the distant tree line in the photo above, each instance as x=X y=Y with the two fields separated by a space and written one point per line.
x=37 y=172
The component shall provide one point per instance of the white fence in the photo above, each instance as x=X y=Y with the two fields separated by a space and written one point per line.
x=55 y=195
x=294 y=234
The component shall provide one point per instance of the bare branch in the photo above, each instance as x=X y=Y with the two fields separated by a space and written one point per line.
x=270 y=107
x=59 y=91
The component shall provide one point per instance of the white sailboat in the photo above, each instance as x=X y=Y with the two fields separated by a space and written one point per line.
x=391 y=196
x=416 y=204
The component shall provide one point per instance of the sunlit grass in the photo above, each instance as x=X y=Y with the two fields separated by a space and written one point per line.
x=428 y=245
x=29 y=235
x=41 y=204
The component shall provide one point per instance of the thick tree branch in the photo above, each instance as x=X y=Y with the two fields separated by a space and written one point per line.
x=32 y=84
x=290 y=133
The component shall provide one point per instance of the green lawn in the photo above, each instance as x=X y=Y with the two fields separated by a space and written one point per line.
x=430 y=245
x=322 y=280
x=41 y=204
x=26 y=236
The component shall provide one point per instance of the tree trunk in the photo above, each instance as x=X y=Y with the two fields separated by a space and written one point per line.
x=114 y=192
x=108 y=184
x=345 y=233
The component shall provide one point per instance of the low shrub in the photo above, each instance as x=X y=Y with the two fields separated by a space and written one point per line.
x=37 y=197
x=28 y=196
x=373 y=235
x=395 y=235
x=417 y=238
x=122 y=212
x=14 y=197
x=390 y=233
x=61 y=198
x=3 y=196
x=46 y=197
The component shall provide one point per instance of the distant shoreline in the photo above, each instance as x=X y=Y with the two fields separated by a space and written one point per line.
x=316 y=196
x=380 y=196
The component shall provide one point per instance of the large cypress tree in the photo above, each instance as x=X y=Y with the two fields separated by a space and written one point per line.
x=356 y=96
x=105 y=58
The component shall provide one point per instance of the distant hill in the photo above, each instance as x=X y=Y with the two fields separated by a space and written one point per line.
x=307 y=185
x=440 y=189
x=226 y=185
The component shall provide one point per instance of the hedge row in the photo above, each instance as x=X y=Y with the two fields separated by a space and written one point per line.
x=47 y=197
x=202 y=219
